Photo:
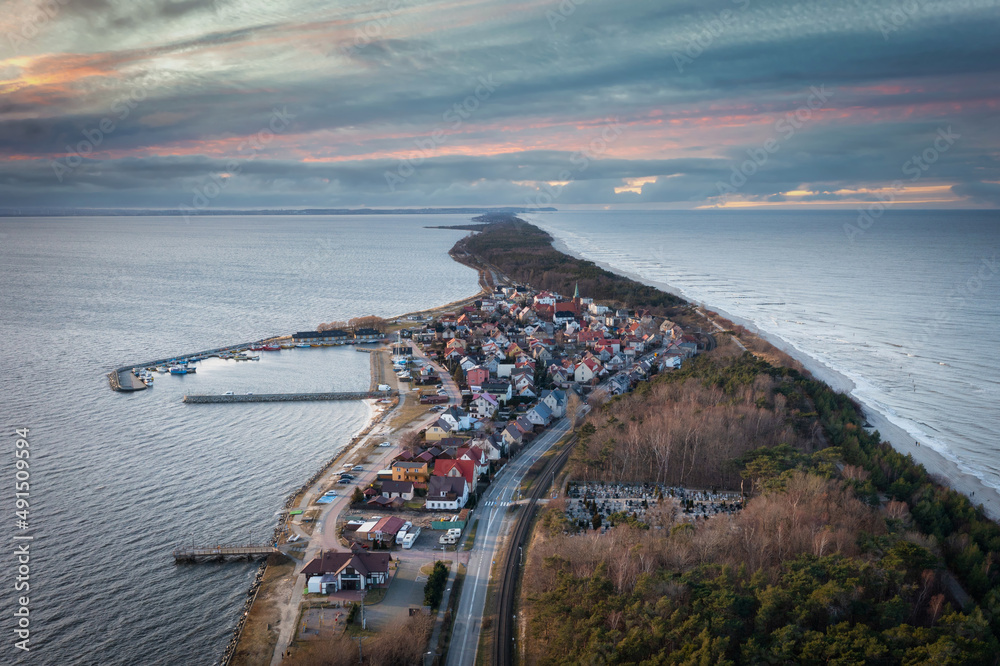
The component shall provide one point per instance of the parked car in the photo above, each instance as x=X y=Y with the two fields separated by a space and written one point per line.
x=358 y=468
x=385 y=444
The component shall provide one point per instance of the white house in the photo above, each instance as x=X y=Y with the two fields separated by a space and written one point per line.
x=586 y=370
x=540 y=414
x=484 y=405
x=596 y=309
x=446 y=493
x=556 y=402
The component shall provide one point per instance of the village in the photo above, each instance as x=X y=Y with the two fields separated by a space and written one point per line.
x=495 y=374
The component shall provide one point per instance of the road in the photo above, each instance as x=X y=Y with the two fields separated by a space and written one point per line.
x=494 y=521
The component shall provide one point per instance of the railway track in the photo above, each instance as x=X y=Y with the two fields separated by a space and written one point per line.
x=503 y=642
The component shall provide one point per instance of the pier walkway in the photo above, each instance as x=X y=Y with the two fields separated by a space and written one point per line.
x=199 y=553
x=288 y=397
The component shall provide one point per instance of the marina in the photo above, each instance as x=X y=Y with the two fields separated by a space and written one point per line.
x=140 y=376
x=126 y=379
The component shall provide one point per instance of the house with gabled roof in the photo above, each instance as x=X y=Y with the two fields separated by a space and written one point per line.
x=438 y=430
x=524 y=425
x=540 y=414
x=587 y=369
x=512 y=435
x=620 y=383
x=556 y=400
x=462 y=467
x=477 y=457
x=401 y=489
x=484 y=405
x=492 y=445
x=446 y=493
x=357 y=569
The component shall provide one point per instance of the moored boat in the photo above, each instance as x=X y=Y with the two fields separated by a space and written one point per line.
x=271 y=348
x=178 y=370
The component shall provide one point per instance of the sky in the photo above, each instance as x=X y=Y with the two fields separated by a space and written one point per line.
x=199 y=105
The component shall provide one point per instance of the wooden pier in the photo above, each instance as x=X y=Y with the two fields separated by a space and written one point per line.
x=218 y=553
x=288 y=397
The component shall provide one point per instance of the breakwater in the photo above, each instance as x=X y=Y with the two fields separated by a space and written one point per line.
x=288 y=397
x=115 y=382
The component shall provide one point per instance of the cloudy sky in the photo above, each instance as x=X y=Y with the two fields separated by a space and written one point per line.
x=672 y=103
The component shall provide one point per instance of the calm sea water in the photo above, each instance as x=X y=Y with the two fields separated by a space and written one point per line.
x=909 y=311
x=118 y=480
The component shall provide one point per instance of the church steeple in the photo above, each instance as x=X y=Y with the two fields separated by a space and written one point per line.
x=576 y=291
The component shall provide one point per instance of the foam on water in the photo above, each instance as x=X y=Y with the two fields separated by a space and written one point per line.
x=891 y=314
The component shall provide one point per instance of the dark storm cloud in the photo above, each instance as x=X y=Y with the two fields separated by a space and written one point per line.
x=704 y=80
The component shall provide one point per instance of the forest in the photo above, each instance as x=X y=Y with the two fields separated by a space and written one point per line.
x=689 y=427
x=524 y=253
x=845 y=553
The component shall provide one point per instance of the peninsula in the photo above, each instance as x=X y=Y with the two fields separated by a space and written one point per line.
x=724 y=505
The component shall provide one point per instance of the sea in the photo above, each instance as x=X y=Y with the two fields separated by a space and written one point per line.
x=906 y=312
x=900 y=308
x=116 y=480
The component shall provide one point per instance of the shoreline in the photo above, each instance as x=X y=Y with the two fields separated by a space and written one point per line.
x=348 y=450
x=937 y=463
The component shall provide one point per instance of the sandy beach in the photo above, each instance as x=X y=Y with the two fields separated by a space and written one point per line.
x=941 y=468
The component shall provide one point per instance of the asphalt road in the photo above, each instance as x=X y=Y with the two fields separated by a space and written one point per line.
x=494 y=521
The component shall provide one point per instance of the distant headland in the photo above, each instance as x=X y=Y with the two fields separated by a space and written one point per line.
x=175 y=212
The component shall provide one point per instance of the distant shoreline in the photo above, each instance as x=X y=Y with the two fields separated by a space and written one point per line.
x=176 y=212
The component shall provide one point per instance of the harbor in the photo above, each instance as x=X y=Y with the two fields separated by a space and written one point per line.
x=139 y=376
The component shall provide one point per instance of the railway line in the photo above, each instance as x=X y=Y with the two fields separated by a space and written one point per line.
x=503 y=642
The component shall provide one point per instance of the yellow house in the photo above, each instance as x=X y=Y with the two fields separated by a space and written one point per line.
x=410 y=471
x=438 y=431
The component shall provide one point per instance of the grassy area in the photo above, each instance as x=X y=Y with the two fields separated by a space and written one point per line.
x=411 y=410
x=375 y=595
x=449 y=615
x=536 y=468
x=487 y=633
x=308 y=521
x=426 y=569
x=470 y=538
